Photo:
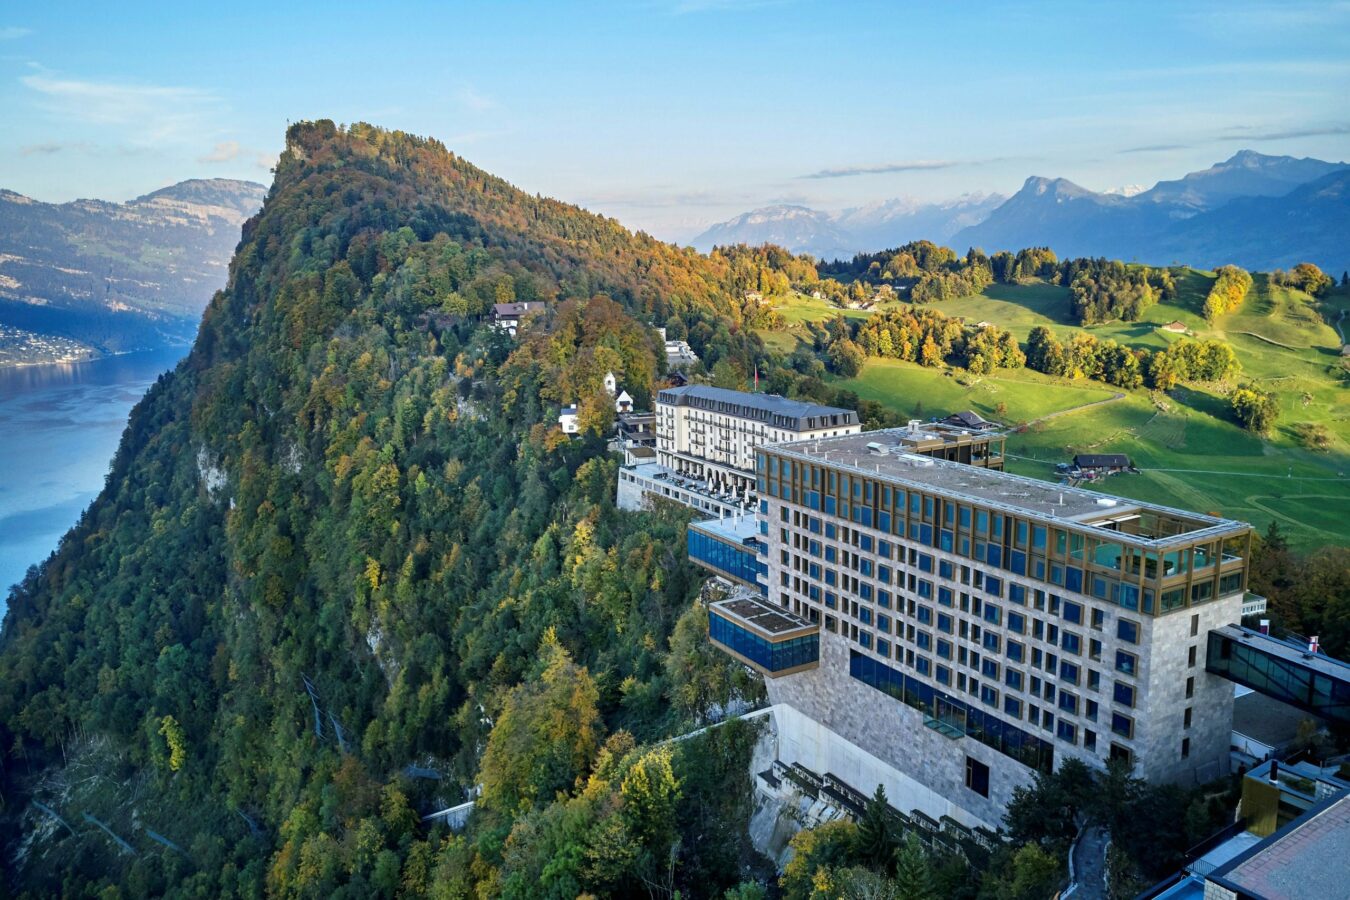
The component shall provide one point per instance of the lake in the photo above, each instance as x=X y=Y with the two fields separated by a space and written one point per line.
x=59 y=427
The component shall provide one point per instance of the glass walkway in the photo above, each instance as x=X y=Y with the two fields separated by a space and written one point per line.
x=1281 y=669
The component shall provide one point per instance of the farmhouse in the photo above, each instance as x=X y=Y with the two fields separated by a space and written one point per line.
x=508 y=316
x=970 y=421
x=1102 y=463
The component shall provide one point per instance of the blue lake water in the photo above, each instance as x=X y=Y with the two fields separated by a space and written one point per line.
x=59 y=427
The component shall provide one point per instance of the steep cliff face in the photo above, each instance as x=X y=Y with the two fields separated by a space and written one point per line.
x=310 y=569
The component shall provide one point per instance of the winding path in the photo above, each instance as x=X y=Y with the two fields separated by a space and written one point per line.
x=1118 y=395
x=1089 y=864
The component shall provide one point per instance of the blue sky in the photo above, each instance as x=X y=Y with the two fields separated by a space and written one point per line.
x=671 y=114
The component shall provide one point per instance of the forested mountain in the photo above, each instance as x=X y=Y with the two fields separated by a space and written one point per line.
x=120 y=276
x=840 y=235
x=346 y=567
x=1237 y=211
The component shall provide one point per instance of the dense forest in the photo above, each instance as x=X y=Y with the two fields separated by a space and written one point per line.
x=343 y=540
x=346 y=571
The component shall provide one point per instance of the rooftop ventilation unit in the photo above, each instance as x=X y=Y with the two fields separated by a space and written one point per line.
x=877 y=449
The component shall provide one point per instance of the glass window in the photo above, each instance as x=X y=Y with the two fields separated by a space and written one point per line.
x=1127 y=631
x=1124 y=694
x=1126 y=662
x=1122 y=725
x=977 y=776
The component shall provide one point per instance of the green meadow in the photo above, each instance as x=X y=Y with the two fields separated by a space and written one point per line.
x=1190 y=451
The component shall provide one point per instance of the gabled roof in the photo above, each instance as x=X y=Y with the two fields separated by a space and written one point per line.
x=969 y=418
x=512 y=310
x=1101 y=460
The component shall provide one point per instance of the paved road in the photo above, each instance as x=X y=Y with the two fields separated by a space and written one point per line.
x=1089 y=864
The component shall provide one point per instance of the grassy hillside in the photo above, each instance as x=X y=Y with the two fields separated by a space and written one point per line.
x=1192 y=452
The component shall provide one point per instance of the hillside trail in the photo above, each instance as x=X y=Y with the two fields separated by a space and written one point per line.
x=1118 y=395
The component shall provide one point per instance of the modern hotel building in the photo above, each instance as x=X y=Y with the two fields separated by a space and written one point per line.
x=973 y=627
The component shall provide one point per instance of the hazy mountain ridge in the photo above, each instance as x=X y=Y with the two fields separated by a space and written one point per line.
x=839 y=235
x=120 y=276
x=1131 y=222
x=1246 y=174
x=1196 y=219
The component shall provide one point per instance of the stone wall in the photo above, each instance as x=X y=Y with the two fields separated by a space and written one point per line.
x=832 y=723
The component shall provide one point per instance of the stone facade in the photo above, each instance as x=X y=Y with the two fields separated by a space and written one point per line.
x=930 y=769
x=1175 y=639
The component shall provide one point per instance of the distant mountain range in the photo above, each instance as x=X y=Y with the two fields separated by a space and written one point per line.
x=120 y=276
x=828 y=235
x=1261 y=212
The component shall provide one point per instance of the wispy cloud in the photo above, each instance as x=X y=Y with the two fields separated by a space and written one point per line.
x=688 y=7
x=229 y=151
x=1247 y=133
x=157 y=112
x=473 y=137
x=667 y=198
x=13 y=32
x=473 y=100
x=224 y=151
x=1156 y=148
x=1251 y=133
x=50 y=148
x=911 y=165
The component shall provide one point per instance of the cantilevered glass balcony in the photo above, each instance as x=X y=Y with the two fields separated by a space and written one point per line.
x=770 y=640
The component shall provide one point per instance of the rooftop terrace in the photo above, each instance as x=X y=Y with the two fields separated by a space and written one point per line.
x=733 y=529
x=884 y=454
x=761 y=617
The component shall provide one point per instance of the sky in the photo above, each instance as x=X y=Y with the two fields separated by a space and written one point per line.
x=673 y=114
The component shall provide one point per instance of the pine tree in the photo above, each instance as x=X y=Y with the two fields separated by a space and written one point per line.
x=876 y=841
x=913 y=877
